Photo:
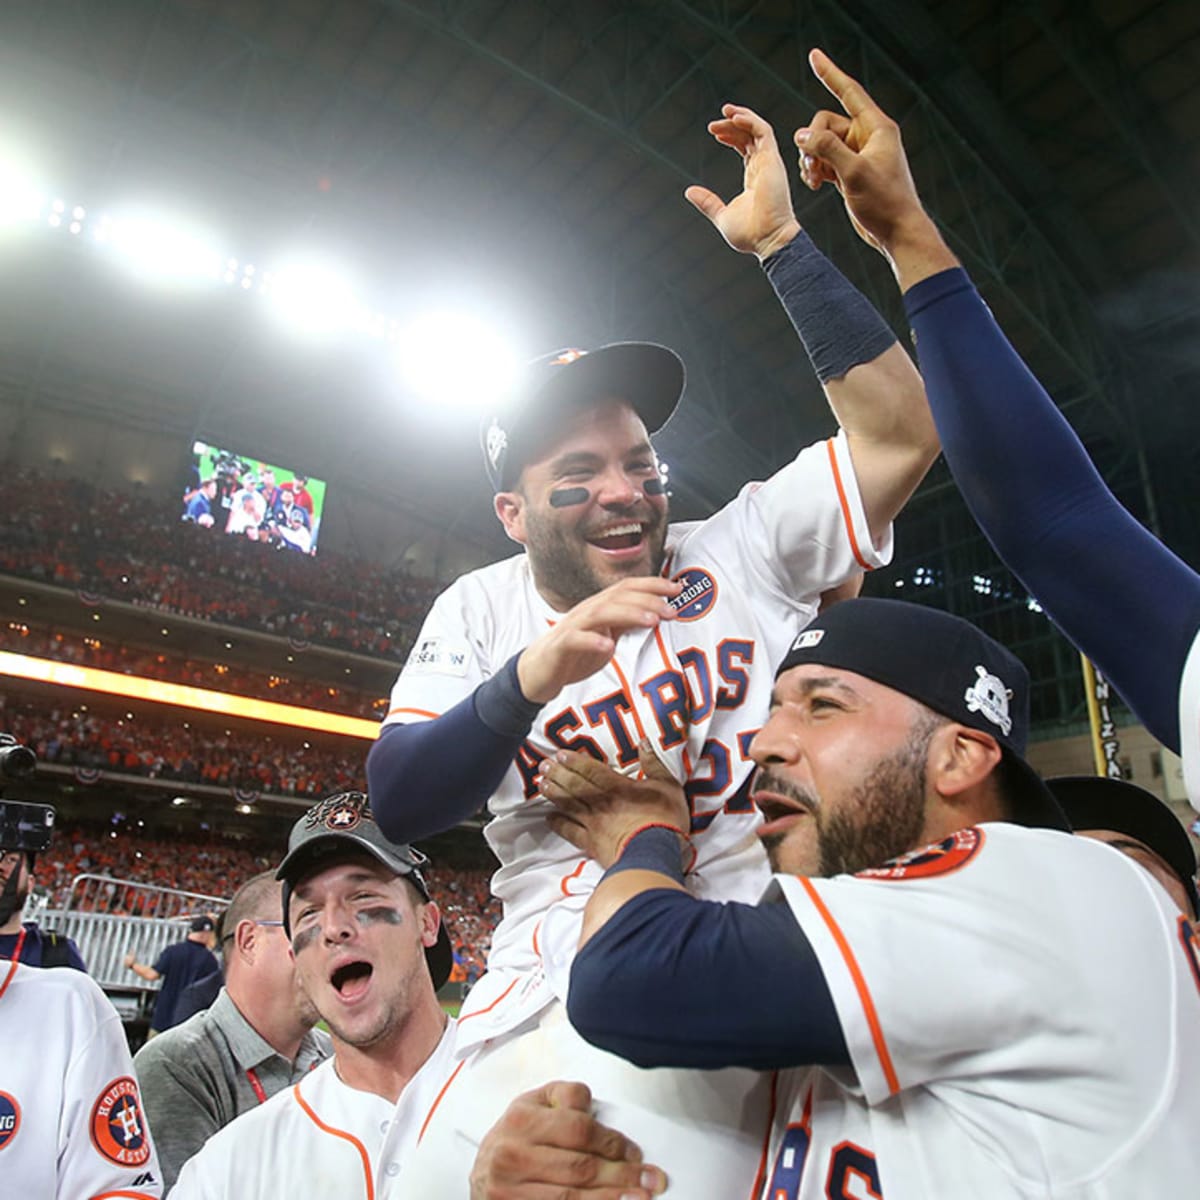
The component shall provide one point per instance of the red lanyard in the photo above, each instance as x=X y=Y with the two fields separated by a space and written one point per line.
x=256 y=1084
x=16 y=958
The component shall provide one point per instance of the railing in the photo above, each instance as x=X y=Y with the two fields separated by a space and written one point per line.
x=109 y=917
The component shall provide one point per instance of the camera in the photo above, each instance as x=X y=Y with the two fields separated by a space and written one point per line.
x=23 y=826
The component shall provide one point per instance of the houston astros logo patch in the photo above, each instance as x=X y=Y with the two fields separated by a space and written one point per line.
x=10 y=1119
x=698 y=596
x=118 y=1126
x=939 y=859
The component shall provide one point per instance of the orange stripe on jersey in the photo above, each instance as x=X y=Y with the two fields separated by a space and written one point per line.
x=662 y=649
x=760 y=1177
x=339 y=1133
x=566 y=879
x=841 y=492
x=536 y=948
x=480 y=1012
x=438 y=1099
x=416 y=712
x=860 y=984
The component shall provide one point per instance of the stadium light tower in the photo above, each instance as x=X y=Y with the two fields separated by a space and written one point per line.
x=162 y=249
x=22 y=199
x=457 y=360
x=313 y=296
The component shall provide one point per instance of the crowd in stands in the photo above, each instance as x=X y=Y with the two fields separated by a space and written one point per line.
x=163 y=747
x=90 y=651
x=216 y=866
x=119 y=545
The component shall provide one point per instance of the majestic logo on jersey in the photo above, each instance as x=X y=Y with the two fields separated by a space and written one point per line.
x=567 y=357
x=439 y=655
x=340 y=813
x=808 y=639
x=119 y=1126
x=495 y=442
x=989 y=696
x=698 y=596
x=938 y=859
x=10 y=1118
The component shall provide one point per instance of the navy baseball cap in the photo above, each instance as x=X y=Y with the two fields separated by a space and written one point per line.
x=1097 y=802
x=202 y=924
x=946 y=664
x=648 y=376
x=342 y=824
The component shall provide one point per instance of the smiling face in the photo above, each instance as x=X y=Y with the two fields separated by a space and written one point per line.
x=611 y=529
x=359 y=934
x=842 y=783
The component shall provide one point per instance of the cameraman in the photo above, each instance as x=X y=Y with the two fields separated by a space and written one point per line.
x=26 y=941
x=71 y=1120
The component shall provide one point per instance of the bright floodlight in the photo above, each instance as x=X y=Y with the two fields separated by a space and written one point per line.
x=162 y=249
x=312 y=296
x=21 y=200
x=457 y=360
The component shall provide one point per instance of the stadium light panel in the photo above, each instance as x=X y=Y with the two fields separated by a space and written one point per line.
x=313 y=297
x=135 y=687
x=161 y=249
x=22 y=198
x=457 y=360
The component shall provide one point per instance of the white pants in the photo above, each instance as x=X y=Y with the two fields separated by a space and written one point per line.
x=706 y=1129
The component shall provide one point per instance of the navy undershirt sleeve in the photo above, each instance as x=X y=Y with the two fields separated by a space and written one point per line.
x=671 y=981
x=1117 y=592
x=427 y=777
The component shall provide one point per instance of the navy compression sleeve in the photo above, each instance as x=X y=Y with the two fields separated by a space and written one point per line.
x=429 y=776
x=1116 y=591
x=670 y=981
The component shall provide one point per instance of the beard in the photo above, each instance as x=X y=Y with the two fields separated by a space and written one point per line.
x=880 y=819
x=558 y=556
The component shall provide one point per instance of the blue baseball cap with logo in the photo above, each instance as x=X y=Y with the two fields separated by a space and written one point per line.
x=647 y=376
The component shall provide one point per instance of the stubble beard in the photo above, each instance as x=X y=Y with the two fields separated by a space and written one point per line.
x=880 y=820
x=559 y=559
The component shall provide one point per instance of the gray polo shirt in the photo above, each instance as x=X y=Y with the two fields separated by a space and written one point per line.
x=198 y=1076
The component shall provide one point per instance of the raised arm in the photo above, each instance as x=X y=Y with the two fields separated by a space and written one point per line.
x=871 y=384
x=1120 y=595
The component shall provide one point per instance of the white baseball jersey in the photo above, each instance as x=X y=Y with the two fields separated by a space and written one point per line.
x=699 y=686
x=71 y=1121
x=321 y=1138
x=1189 y=724
x=1022 y=1010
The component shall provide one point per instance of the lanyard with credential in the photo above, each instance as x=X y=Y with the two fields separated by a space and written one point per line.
x=16 y=958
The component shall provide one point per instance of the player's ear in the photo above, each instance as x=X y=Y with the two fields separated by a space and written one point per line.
x=961 y=760
x=431 y=920
x=510 y=508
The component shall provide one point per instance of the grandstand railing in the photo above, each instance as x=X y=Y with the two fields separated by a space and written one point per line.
x=99 y=916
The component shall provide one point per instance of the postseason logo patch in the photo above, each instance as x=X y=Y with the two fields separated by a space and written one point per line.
x=438 y=656
x=118 y=1125
x=938 y=859
x=10 y=1119
x=698 y=596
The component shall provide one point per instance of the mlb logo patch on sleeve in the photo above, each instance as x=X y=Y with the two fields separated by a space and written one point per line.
x=438 y=656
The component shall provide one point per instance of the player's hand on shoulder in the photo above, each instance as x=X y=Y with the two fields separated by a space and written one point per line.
x=759 y=220
x=582 y=641
x=600 y=808
x=549 y=1146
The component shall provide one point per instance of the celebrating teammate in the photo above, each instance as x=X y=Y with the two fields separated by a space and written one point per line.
x=370 y=952
x=614 y=625
x=71 y=1119
x=932 y=945
x=1121 y=596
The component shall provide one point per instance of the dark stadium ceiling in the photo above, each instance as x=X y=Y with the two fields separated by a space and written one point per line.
x=531 y=156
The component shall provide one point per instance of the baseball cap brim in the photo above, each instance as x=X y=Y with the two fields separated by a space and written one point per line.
x=1097 y=802
x=312 y=854
x=649 y=377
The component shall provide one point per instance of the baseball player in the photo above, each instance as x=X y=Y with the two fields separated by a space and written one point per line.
x=71 y=1120
x=929 y=938
x=1121 y=596
x=370 y=953
x=615 y=626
